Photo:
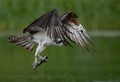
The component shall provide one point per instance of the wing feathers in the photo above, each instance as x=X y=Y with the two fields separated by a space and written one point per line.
x=76 y=32
x=25 y=42
x=61 y=28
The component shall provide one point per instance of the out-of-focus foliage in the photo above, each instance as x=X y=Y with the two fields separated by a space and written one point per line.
x=93 y=14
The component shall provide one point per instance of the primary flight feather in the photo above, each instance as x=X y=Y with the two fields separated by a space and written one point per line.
x=51 y=29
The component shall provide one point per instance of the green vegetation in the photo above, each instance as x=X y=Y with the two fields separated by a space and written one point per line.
x=93 y=14
x=65 y=64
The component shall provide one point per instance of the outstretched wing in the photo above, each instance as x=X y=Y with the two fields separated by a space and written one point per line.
x=75 y=32
x=50 y=23
x=43 y=22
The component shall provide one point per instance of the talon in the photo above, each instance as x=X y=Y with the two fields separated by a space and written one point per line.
x=34 y=66
x=39 y=62
x=45 y=59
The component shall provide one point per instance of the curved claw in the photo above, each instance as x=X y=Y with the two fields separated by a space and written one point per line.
x=40 y=61
x=45 y=58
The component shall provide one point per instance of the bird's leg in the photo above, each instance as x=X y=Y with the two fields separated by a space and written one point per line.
x=38 y=59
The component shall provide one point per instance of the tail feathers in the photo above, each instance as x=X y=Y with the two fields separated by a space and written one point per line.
x=25 y=42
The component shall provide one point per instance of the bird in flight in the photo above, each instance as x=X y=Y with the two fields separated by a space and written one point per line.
x=51 y=29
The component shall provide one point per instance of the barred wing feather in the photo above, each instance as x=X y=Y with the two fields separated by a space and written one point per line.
x=79 y=35
x=76 y=32
x=51 y=24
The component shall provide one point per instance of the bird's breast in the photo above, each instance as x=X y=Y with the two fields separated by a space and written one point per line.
x=41 y=36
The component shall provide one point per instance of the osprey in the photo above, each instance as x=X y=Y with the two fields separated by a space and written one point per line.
x=51 y=29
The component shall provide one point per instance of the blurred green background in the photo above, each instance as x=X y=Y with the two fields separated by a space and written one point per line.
x=93 y=14
x=65 y=64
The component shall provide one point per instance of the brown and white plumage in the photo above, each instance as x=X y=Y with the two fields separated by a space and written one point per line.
x=51 y=29
x=76 y=31
x=24 y=41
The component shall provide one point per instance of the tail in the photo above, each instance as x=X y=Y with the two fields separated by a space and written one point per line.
x=25 y=42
